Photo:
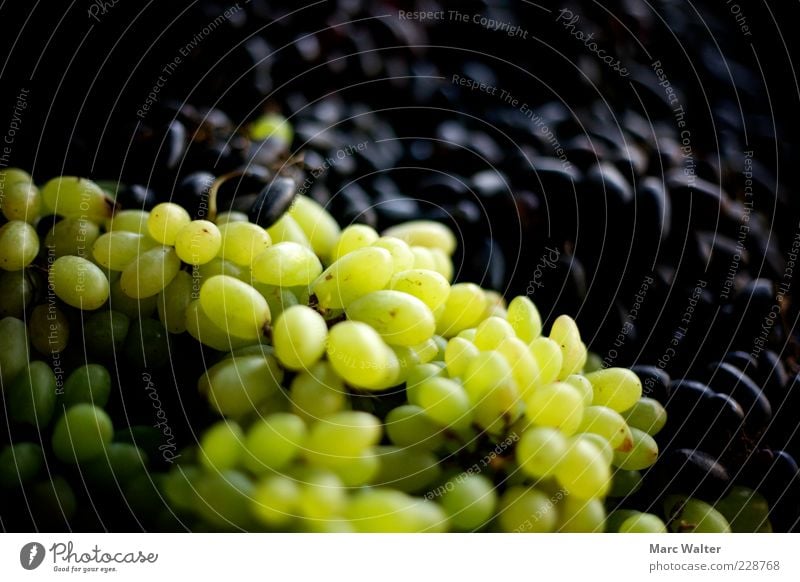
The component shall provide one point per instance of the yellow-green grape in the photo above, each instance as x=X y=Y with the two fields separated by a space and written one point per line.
x=230 y=216
x=693 y=516
x=317 y=392
x=198 y=242
x=402 y=257
x=273 y=442
x=408 y=426
x=299 y=336
x=524 y=318
x=566 y=334
x=272 y=125
x=173 y=301
x=428 y=286
x=485 y=372
x=382 y=510
x=602 y=445
x=407 y=360
x=21 y=201
x=442 y=264
x=278 y=298
x=354 y=237
x=11 y=176
x=72 y=236
x=236 y=386
x=224 y=500
x=77 y=198
x=19 y=245
x=318 y=225
x=496 y=304
x=31 y=397
x=219 y=266
x=221 y=446
x=524 y=368
x=607 y=423
x=130 y=306
x=558 y=405
x=116 y=250
x=540 y=450
x=286 y=264
x=360 y=356
x=423 y=259
x=242 y=242
x=647 y=415
x=444 y=401
x=399 y=318
x=746 y=511
x=341 y=437
x=359 y=470
x=458 y=354
x=583 y=471
x=583 y=385
x=467 y=334
x=234 y=306
x=642 y=454
x=617 y=388
x=129 y=221
x=422 y=372
x=79 y=283
x=14 y=352
x=275 y=500
x=428 y=350
x=498 y=409
x=49 y=329
x=470 y=502
x=82 y=433
x=406 y=470
x=354 y=275
x=201 y=328
x=17 y=288
x=576 y=515
x=424 y=233
x=286 y=229
x=462 y=310
x=150 y=273
x=526 y=510
x=643 y=523
x=165 y=222
x=625 y=483
x=549 y=359
x=491 y=331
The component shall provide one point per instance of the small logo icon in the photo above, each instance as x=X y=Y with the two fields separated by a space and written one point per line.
x=31 y=555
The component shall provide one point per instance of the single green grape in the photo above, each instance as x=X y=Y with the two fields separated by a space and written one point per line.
x=82 y=433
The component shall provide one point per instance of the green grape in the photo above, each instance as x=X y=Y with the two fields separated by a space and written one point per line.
x=165 y=222
x=583 y=471
x=540 y=450
x=693 y=516
x=48 y=329
x=224 y=500
x=354 y=275
x=406 y=470
x=498 y=408
x=121 y=463
x=234 y=306
x=242 y=242
x=20 y=463
x=219 y=266
x=617 y=388
x=319 y=227
x=584 y=387
x=77 y=197
x=524 y=368
x=272 y=126
x=13 y=349
x=278 y=298
x=286 y=264
x=608 y=424
x=286 y=229
x=90 y=383
x=559 y=405
x=275 y=500
x=625 y=483
x=11 y=176
x=444 y=401
x=428 y=286
x=641 y=455
x=238 y=385
x=485 y=372
x=21 y=201
x=359 y=355
x=352 y=238
x=526 y=510
x=593 y=363
x=643 y=523
x=745 y=510
x=344 y=434
x=198 y=242
x=82 y=433
x=201 y=328
x=221 y=446
x=566 y=334
x=72 y=236
x=408 y=426
x=230 y=216
x=647 y=415
x=180 y=487
x=173 y=301
x=129 y=221
x=146 y=345
x=19 y=245
x=274 y=442
x=117 y=249
x=399 y=318
x=317 y=392
x=79 y=283
x=402 y=257
x=442 y=264
x=424 y=233
x=322 y=494
x=470 y=502
x=491 y=332
x=549 y=359
x=423 y=259
x=32 y=395
x=17 y=290
x=468 y=334
x=150 y=273
x=602 y=445
x=524 y=318
x=104 y=333
x=458 y=355
x=53 y=501
x=430 y=517
x=422 y=372
x=617 y=517
x=580 y=515
x=428 y=350
x=381 y=511
x=130 y=306
x=299 y=336
x=462 y=310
